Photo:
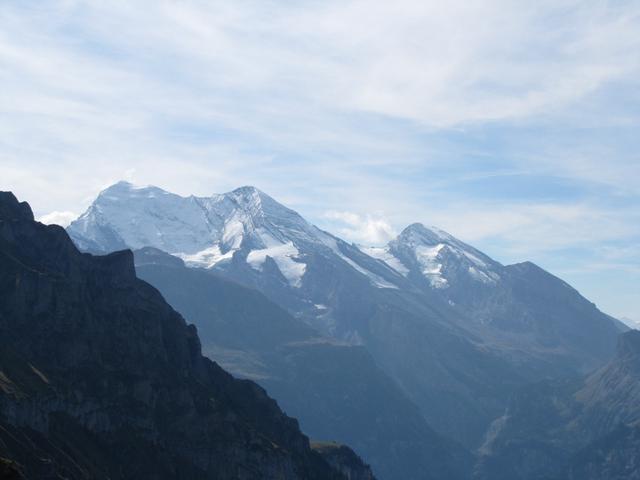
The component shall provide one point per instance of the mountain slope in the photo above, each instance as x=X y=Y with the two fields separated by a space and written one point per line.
x=335 y=390
x=455 y=329
x=100 y=378
x=521 y=305
x=614 y=457
x=434 y=257
x=559 y=428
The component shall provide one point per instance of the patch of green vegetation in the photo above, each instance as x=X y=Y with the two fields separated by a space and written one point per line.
x=9 y=470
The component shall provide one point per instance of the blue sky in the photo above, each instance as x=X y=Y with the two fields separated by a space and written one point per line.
x=514 y=127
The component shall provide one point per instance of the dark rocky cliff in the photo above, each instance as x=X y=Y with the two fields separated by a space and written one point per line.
x=100 y=378
x=343 y=459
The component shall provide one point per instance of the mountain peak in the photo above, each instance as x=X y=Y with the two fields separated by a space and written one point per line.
x=420 y=234
x=128 y=189
x=440 y=257
x=248 y=190
x=257 y=203
x=12 y=209
x=203 y=231
x=251 y=199
x=121 y=186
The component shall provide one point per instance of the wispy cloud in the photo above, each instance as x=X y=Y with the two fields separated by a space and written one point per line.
x=509 y=124
x=367 y=229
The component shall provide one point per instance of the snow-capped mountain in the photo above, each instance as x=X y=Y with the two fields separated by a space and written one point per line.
x=435 y=256
x=208 y=232
x=248 y=237
x=455 y=328
x=251 y=238
x=491 y=299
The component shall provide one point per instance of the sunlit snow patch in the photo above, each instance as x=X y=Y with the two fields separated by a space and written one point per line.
x=376 y=280
x=232 y=234
x=382 y=253
x=427 y=257
x=283 y=255
x=483 y=276
x=206 y=258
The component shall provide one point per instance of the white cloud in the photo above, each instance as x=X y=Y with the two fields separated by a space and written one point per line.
x=441 y=65
x=58 y=218
x=465 y=61
x=367 y=230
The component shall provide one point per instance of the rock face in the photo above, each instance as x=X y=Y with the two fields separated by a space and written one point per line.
x=100 y=378
x=456 y=330
x=582 y=428
x=343 y=459
x=614 y=457
x=335 y=390
x=9 y=470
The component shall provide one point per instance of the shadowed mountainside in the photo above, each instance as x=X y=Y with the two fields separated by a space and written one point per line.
x=335 y=390
x=100 y=378
x=582 y=428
